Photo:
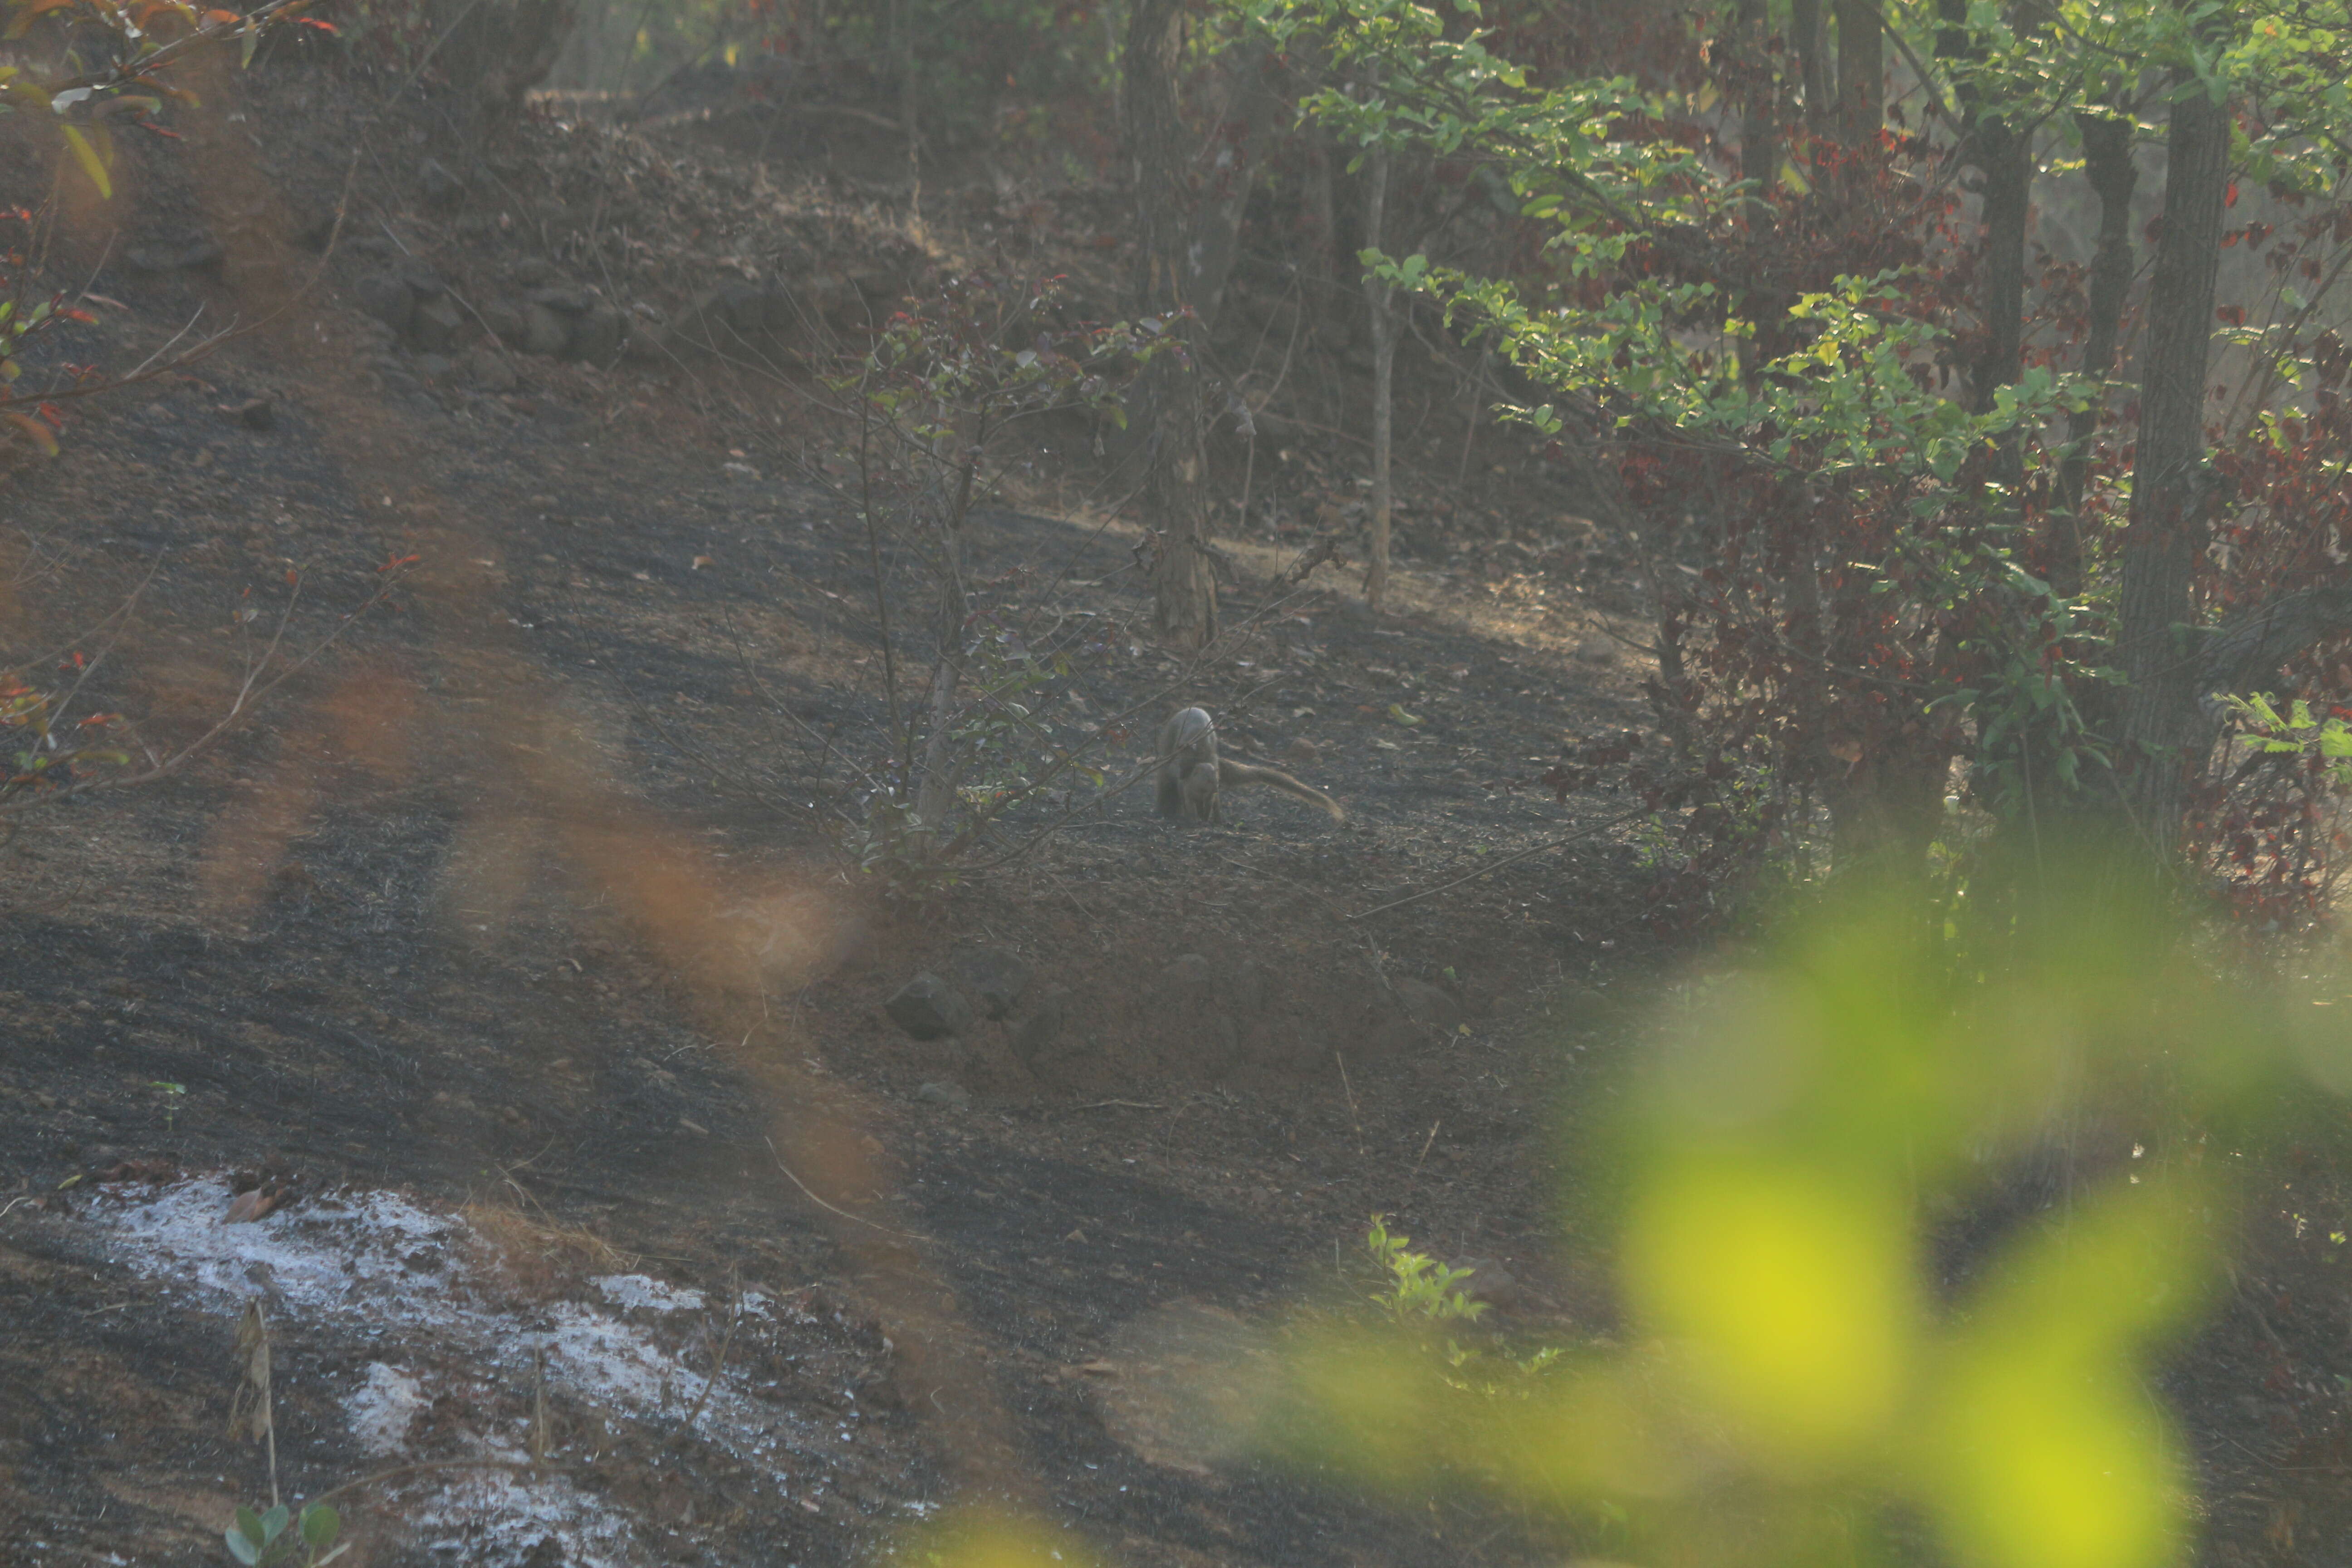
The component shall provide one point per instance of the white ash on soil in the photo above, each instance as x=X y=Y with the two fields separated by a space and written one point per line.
x=424 y=1292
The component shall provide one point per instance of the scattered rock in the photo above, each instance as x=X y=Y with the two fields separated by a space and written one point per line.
x=545 y=331
x=564 y=301
x=929 y=1008
x=436 y=325
x=1490 y=1283
x=648 y=342
x=1033 y=1038
x=489 y=369
x=1302 y=753
x=996 y=977
x=1429 y=1004
x=1189 y=974
x=942 y=1093
x=1597 y=650
x=441 y=187
x=257 y=414
x=182 y=252
x=434 y=367
x=744 y=306
x=596 y=335
x=507 y=320
x=387 y=297
x=533 y=271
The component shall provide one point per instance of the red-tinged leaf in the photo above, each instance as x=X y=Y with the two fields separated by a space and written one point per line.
x=397 y=565
x=292 y=576
x=79 y=315
x=2230 y=196
x=145 y=125
x=314 y=22
x=2232 y=315
x=40 y=435
x=231 y=17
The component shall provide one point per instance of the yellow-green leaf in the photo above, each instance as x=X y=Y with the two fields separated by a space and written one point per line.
x=92 y=164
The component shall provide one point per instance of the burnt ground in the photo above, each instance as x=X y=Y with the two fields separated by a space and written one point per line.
x=527 y=900
x=511 y=904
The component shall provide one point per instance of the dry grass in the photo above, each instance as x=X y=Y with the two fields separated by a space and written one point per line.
x=541 y=1255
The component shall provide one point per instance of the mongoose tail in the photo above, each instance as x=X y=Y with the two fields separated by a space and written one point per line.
x=1232 y=773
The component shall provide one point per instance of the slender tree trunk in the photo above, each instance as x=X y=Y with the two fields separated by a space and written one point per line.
x=935 y=795
x=2006 y=156
x=2003 y=157
x=2171 y=487
x=1379 y=297
x=935 y=791
x=2108 y=154
x=1759 y=141
x=1188 y=243
x=1811 y=40
x=1861 y=71
x=1323 y=213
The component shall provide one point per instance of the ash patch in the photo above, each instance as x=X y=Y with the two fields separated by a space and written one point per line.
x=456 y=1360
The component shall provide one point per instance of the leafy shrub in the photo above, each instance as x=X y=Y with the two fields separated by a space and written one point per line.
x=1419 y=1288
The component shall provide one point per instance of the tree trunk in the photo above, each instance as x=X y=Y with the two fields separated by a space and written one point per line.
x=935 y=791
x=1187 y=246
x=2003 y=156
x=1378 y=297
x=1811 y=40
x=2108 y=154
x=2006 y=156
x=2171 y=487
x=1759 y=141
x=935 y=795
x=1861 y=71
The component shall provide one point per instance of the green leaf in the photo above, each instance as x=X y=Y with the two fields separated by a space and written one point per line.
x=320 y=1525
x=240 y=1546
x=274 y=1523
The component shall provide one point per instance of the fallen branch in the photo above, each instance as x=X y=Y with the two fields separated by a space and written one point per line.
x=829 y=1208
x=1585 y=831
